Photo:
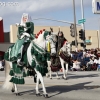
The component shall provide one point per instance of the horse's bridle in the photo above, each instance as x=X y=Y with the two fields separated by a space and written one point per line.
x=52 y=41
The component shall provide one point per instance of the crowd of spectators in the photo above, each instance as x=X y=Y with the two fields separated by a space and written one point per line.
x=82 y=60
x=85 y=60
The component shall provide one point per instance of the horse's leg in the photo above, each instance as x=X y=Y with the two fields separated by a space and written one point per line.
x=42 y=82
x=62 y=64
x=37 y=86
x=50 y=74
x=47 y=74
x=16 y=90
x=49 y=69
x=66 y=69
x=57 y=75
x=13 y=88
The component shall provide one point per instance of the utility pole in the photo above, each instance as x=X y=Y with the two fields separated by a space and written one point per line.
x=83 y=26
x=98 y=31
x=59 y=29
x=75 y=25
x=99 y=34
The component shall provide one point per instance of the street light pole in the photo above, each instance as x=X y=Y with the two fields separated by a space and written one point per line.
x=98 y=31
x=83 y=26
x=99 y=34
x=62 y=21
x=75 y=30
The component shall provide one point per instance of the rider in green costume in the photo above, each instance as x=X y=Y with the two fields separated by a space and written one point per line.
x=25 y=35
x=17 y=51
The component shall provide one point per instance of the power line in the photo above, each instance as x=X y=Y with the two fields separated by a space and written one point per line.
x=55 y=20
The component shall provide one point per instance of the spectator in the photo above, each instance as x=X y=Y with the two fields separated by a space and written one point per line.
x=89 y=64
x=80 y=55
x=76 y=66
x=3 y=62
x=1 y=67
x=98 y=66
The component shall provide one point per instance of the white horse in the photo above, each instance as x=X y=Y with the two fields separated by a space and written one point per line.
x=64 y=56
x=42 y=44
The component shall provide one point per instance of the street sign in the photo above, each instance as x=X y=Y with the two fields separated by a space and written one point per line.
x=96 y=6
x=81 y=21
x=87 y=41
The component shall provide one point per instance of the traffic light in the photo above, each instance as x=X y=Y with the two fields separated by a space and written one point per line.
x=73 y=43
x=72 y=30
x=82 y=45
x=82 y=34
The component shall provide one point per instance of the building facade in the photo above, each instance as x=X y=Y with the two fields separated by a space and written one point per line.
x=92 y=37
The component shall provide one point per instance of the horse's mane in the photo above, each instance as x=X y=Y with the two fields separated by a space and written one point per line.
x=39 y=33
x=40 y=36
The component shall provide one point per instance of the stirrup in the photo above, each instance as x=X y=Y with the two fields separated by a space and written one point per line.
x=21 y=63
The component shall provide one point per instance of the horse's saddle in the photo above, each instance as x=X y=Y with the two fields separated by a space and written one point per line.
x=55 y=64
x=64 y=56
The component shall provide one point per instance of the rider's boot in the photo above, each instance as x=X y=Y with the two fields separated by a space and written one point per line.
x=23 y=51
x=20 y=61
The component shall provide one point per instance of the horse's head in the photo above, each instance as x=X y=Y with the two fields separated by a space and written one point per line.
x=45 y=36
x=52 y=39
x=67 y=48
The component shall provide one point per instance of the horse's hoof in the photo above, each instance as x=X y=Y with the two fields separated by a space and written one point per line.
x=18 y=94
x=58 y=78
x=47 y=76
x=12 y=90
x=46 y=95
x=50 y=78
x=63 y=78
x=38 y=94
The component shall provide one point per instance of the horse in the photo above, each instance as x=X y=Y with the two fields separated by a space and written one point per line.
x=64 y=56
x=37 y=48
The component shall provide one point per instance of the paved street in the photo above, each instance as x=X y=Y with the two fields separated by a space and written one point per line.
x=78 y=86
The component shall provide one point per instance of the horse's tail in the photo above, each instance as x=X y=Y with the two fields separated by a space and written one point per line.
x=7 y=85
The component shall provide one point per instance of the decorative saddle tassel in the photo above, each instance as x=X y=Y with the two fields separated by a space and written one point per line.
x=48 y=46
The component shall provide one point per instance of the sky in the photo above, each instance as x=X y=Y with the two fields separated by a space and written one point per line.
x=12 y=10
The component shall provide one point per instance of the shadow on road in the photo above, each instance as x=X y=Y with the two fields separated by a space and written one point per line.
x=59 y=89
x=82 y=76
x=74 y=76
x=64 y=89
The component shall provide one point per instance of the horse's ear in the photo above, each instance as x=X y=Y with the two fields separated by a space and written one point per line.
x=43 y=29
x=51 y=29
x=49 y=33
